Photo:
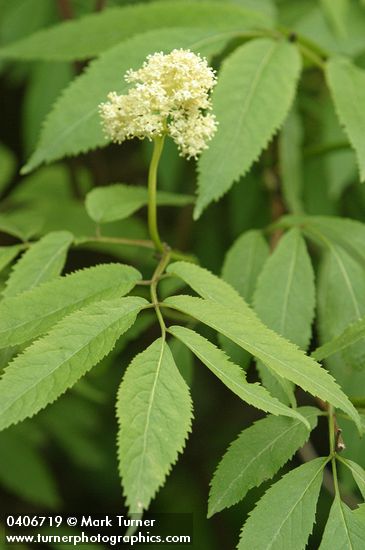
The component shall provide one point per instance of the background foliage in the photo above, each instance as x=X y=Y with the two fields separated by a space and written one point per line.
x=276 y=207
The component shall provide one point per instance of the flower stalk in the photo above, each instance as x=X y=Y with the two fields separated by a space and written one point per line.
x=158 y=143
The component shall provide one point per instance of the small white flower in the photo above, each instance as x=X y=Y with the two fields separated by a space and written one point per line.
x=170 y=96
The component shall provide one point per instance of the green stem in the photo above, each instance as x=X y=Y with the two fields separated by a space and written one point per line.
x=158 y=143
x=332 y=441
x=165 y=258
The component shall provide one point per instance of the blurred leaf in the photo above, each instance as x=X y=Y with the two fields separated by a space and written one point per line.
x=24 y=472
x=154 y=412
x=256 y=455
x=73 y=126
x=42 y=262
x=72 y=423
x=33 y=312
x=283 y=357
x=46 y=81
x=344 y=530
x=60 y=358
x=347 y=85
x=290 y=153
x=230 y=374
x=249 y=109
x=314 y=26
x=336 y=11
x=95 y=33
x=22 y=18
x=118 y=201
x=284 y=516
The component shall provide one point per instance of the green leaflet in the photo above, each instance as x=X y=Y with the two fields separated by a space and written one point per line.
x=347 y=86
x=290 y=309
x=358 y=473
x=208 y=285
x=290 y=152
x=255 y=90
x=51 y=365
x=73 y=126
x=284 y=516
x=93 y=34
x=349 y=336
x=256 y=455
x=24 y=472
x=8 y=253
x=284 y=358
x=242 y=265
x=230 y=374
x=22 y=224
x=154 y=411
x=341 y=302
x=344 y=529
x=118 y=201
x=43 y=261
x=34 y=311
x=329 y=230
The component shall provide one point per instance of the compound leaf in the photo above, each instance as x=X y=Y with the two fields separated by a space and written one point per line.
x=42 y=262
x=34 y=311
x=154 y=412
x=255 y=90
x=284 y=516
x=256 y=455
x=51 y=365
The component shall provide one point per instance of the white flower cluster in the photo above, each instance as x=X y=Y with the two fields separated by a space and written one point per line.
x=170 y=96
